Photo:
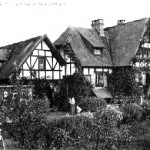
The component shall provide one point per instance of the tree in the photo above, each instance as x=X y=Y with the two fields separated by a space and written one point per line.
x=122 y=82
x=76 y=86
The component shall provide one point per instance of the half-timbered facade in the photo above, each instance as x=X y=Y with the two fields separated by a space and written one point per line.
x=36 y=58
x=142 y=60
x=41 y=64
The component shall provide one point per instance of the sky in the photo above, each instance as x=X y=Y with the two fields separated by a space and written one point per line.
x=24 y=19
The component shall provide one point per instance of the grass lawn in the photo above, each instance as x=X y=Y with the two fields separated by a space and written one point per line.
x=51 y=116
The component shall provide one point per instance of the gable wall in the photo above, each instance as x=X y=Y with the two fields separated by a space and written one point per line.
x=42 y=64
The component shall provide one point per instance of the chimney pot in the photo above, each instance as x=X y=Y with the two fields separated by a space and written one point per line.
x=120 y=22
x=98 y=25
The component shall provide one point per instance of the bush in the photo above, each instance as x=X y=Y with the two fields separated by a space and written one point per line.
x=80 y=130
x=140 y=131
x=107 y=128
x=122 y=82
x=75 y=86
x=110 y=134
x=92 y=104
x=84 y=131
x=132 y=112
x=30 y=133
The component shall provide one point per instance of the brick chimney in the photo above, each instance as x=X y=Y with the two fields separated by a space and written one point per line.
x=98 y=25
x=120 y=22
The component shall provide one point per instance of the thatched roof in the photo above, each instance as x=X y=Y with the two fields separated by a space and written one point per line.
x=82 y=42
x=121 y=43
x=4 y=55
x=19 y=52
x=124 y=40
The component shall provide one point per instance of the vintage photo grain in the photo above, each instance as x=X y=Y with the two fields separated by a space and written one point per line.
x=74 y=75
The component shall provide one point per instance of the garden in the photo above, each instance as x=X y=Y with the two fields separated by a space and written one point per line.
x=124 y=124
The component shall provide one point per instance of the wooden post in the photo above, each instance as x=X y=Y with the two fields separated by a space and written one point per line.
x=67 y=89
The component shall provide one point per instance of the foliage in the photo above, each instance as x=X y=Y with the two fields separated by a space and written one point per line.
x=122 y=82
x=74 y=86
x=78 y=86
x=92 y=104
x=72 y=131
x=140 y=131
x=29 y=132
x=100 y=130
x=62 y=99
x=132 y=112
x=22 y=112
x=109 y=131
x=40 y=87
x=19 y=107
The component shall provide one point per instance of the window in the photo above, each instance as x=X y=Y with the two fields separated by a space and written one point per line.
x=101 y=79
x=42 y=63
x=97 y=52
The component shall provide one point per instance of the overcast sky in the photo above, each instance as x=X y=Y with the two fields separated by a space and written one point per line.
x=23 y=19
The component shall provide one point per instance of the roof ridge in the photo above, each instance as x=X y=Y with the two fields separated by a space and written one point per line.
x=128 y=23
x=21 y=41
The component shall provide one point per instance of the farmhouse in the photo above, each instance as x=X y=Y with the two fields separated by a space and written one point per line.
x=102 y=50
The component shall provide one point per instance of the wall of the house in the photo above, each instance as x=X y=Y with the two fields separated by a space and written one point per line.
x=69 y=68
x=90 y=74
x=42 y=64
x=142 y=63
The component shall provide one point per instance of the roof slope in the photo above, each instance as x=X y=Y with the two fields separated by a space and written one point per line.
x=19 y=52
x=81 y=41
x=4 y=54
x=124 y=40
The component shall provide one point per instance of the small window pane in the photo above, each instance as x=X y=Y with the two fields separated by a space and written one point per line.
x=97 y=52
x=41 y=63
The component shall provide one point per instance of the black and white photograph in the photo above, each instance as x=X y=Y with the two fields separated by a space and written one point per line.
x=74 y=75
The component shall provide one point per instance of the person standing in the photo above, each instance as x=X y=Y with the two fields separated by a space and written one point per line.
x=2 y=144
x=50 y=95
x=72 y=105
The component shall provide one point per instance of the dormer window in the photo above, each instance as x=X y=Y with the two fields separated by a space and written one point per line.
x=97 y=52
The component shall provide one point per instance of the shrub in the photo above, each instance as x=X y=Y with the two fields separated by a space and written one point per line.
x=132 y=112
x=80 y=130
x=140 y=132
x=84 y=131
x=75 y=86
x=92 y=104
x=122 y=82
x=107 y=127
x=110 y=135
x=60 y=138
